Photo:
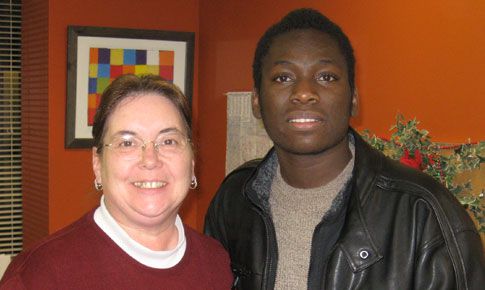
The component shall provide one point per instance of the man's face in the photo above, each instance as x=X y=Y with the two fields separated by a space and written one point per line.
x=305 y=99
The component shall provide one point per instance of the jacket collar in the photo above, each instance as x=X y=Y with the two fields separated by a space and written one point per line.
x=356 y=241
x=259 y=184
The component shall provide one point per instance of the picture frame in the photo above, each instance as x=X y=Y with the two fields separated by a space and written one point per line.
x=97 y=55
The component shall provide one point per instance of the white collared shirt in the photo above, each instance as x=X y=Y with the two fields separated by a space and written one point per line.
x=142 y=254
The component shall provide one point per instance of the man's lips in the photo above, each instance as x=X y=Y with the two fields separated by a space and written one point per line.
x=304 y=120
x=302 y=117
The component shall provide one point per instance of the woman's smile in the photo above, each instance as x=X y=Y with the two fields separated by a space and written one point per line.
x=149 y=184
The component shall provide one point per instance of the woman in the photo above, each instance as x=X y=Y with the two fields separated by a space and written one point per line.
x=143 y=162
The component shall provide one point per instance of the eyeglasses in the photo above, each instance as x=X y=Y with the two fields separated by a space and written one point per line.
x=131 y=147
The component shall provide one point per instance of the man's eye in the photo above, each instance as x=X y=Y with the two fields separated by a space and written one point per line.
x=327 y=77
x=282 y=78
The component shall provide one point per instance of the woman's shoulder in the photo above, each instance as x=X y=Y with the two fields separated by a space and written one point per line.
x=43 y=253
x=209 y=255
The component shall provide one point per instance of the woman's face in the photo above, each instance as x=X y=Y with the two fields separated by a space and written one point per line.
x=145 y=189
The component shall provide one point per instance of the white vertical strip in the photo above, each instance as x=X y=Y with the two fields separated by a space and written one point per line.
x=246 y=137
x=152 y=57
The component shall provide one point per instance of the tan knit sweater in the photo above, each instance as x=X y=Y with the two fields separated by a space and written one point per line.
x=296 y=212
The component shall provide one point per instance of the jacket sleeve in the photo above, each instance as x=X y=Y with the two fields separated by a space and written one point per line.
x=455 y=261
x=214 y=225
x=224 y=200
x=436 y=269
x=473 y=255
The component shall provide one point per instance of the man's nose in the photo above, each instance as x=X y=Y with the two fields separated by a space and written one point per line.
x=304 y=92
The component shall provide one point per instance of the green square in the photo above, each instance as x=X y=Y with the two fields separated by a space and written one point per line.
x=103 y=83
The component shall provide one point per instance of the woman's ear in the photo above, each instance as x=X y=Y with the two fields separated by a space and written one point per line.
x=255 y=104
x=193 y=167
x=96 y=164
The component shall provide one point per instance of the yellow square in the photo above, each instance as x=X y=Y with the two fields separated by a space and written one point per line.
x=153 y=69
x=93 y=70
x=141 y=69
x=116 y=57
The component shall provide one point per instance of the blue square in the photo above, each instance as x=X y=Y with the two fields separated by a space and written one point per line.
x=141 y=56
x=129 y=57
x=92 y=86
x=103 y=55
x=104 y=70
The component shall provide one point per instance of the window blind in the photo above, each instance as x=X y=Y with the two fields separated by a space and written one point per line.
x=10 y=128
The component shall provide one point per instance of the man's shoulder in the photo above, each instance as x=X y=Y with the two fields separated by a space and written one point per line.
x=230 y=194
x=413 y=186
x=400 y=182
x=409 y=180
x=241 y=173
x=246 y=167
x=386 y=173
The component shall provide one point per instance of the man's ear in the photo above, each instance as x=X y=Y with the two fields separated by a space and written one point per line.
x=354 y=110
x=255 y=104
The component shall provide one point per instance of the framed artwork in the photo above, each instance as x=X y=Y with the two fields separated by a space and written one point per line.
x=97 y=55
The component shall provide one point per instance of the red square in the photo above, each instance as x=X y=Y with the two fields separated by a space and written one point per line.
x=166 y=72
x=116 y=71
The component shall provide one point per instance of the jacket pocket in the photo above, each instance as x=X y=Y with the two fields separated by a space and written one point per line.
x=240 y=273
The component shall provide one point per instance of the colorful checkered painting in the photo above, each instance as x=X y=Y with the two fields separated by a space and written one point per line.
x=106 y=64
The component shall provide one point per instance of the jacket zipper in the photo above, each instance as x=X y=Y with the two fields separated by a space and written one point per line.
x=312 y=257
x=269 y=270
x=310 y=285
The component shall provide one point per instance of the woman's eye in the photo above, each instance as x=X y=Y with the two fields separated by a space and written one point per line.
x=126 y=143
x=169 y=142
x=327 y=77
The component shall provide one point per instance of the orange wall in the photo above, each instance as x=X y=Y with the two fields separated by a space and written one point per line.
x=70 y=173
x=424 y=59
x=420 y=59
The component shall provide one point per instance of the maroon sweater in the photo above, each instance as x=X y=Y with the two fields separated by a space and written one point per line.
x=82 y=256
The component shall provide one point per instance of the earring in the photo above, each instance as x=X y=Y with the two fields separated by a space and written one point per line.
x=97 y=185
x=193 y=183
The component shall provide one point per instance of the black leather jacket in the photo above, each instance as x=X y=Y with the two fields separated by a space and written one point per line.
x=402 y=230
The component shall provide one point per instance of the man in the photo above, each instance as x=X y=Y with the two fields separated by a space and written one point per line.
x=323 y=210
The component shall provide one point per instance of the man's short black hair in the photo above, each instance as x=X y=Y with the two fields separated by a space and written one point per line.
x=304 y=18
